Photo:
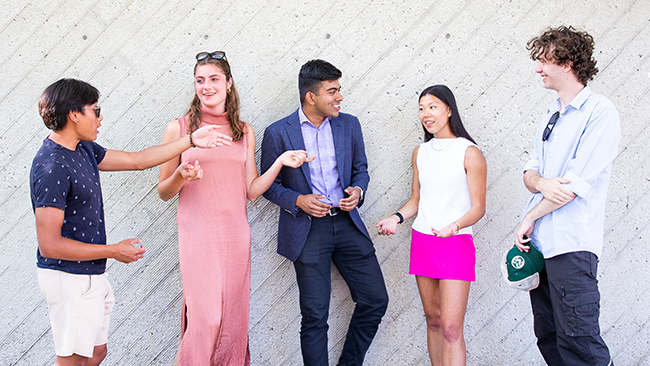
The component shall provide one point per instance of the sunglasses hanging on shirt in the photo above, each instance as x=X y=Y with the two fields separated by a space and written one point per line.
x=550 y=125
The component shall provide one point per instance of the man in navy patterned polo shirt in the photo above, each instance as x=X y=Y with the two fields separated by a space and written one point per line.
x=67 y=201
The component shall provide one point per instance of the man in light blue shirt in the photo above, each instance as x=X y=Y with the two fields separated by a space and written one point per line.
x=568 y=173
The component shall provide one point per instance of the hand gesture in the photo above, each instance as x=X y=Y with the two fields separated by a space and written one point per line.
x=207 y=136
x=523 y=234
x=553 y=190
x=190 y=172
x=350 y=202
x=311 y=205
x=126 y=251
x=295 y=158
x=387 y=226
x=446 y=231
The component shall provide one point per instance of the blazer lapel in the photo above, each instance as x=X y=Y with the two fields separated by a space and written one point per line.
x=339 y=135
x=297 y=142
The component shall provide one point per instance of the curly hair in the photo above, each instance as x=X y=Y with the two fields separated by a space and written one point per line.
x=232 y=102
x=61 y=98
x=566 y=46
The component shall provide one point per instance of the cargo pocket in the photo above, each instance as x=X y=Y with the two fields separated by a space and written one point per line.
x=581 y=312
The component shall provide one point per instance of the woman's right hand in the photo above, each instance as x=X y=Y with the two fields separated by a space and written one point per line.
x=387 y=226
x=295 y=158
x=190 y=172
x=207 y=136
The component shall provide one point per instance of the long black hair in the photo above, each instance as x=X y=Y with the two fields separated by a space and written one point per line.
x=455 y=124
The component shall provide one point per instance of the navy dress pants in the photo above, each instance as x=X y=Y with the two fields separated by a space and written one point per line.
x=337 y=239
x=566 y=308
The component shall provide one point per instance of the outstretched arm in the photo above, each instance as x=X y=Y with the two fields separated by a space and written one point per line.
x=51 y=244
x=205 y=137
x=257 y=185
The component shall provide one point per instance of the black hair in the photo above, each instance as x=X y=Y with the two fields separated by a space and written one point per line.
x=63 y=97
x=312 y=73
x=455 y=124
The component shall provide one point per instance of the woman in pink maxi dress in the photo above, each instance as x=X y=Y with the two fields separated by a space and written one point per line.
x=213 y=232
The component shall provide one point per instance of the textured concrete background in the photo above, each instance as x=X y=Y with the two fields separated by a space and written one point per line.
x=140 y=55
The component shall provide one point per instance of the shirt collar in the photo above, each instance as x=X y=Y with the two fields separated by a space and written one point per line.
x=577 y=101
x=303 y=118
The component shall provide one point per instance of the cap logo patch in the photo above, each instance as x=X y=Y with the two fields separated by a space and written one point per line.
x=518 y=262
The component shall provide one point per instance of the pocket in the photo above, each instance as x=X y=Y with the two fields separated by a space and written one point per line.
x=581 y=313
x=85 y=283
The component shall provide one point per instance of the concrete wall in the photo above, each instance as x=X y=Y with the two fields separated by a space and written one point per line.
x=140 y=54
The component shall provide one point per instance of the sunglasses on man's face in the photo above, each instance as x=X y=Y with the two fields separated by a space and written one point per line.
x=217 y=55
x=98 y=110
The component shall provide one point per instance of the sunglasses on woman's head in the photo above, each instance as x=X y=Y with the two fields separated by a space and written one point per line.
x=98 y=110
x=217 y=55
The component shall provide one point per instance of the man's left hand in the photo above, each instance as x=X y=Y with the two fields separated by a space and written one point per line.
x=349 y=203
x=523 y=234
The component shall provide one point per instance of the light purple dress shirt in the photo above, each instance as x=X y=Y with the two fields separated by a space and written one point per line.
x=323 y=170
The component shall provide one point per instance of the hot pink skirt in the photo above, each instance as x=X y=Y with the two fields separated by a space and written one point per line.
x=452 y=258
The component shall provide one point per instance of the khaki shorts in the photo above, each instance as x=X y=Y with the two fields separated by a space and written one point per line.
x=80 y=308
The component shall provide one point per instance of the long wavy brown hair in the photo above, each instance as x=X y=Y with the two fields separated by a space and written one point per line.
x=232 y=102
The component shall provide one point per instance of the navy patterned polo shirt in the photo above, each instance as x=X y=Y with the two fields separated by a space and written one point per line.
x=69 y=180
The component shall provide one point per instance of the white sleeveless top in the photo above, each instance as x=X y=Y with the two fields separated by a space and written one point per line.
x=444 y=192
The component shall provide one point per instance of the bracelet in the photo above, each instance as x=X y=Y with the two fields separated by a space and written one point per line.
x=457 y=224
x=191 y=142
x=401 y=218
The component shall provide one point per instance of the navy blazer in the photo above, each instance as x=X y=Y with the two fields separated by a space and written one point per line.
x=285 y=134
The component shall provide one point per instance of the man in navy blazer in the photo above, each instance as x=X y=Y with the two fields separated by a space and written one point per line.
x=319 y=221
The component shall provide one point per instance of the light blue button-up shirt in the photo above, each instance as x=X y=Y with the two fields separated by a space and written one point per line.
x=581 y=148
x=323 y=169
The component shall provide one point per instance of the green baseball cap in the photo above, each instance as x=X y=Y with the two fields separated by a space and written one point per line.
x=521 y=269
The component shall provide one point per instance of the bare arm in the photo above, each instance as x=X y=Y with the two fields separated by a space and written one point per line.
x=476 y=169
x=206 y=136
x=544 y=207
x=51 y=244
x=552 y=189
x=388 y=226
x=258 y=184
x=171 y=178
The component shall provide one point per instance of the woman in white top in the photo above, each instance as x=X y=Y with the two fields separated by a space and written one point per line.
x=448 y=196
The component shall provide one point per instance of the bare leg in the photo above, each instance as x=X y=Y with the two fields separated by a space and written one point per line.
x=99 y=353
x=444 y=303
x=430 y=296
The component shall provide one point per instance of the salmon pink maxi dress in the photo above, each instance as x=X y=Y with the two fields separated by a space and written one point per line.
x=215 y=254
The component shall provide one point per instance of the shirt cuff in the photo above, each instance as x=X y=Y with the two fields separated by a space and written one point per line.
x=532 y=165
x=577 y=184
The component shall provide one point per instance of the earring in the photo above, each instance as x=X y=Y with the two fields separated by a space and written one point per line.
x=228 y=91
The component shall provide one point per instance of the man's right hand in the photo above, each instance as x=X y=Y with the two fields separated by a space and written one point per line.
x=127 y=252
x=553 y=190
x=312 y=206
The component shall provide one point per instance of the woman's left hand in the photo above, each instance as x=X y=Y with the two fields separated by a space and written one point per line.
x=295 y=158
x=446 y=231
